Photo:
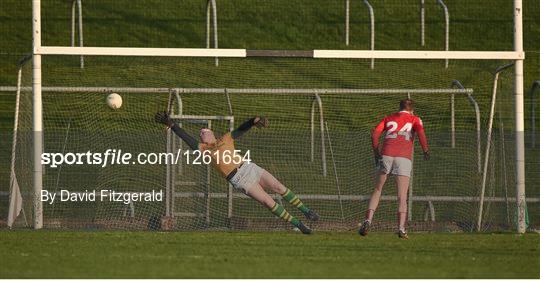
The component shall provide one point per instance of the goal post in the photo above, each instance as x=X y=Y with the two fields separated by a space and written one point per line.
x=520 y=118
x=37 y=115
x=39 y=51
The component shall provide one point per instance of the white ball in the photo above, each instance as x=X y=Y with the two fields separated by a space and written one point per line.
x=114 y=101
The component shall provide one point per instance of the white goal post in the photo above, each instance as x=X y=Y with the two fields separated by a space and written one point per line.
x=516 y=55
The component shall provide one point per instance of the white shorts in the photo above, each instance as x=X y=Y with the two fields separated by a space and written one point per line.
x=247 y=176
x=399 y=166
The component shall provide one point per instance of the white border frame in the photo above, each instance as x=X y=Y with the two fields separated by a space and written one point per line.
x=517 y=55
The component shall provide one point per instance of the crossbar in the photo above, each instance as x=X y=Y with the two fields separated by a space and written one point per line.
x=242 y=53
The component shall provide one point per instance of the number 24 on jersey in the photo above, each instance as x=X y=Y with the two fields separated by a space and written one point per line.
x=405 y=131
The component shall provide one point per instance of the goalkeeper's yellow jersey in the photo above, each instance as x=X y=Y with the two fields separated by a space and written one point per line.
x=222 y=146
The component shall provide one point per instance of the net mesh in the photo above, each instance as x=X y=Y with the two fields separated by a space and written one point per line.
x=337 y=185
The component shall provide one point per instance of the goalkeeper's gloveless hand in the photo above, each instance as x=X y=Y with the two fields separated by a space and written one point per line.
x=426 y=155
x=260 y=122
x=163 y=118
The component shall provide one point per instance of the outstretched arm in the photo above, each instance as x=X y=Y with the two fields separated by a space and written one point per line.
x=163 y=118
x=255 y=121
x=192 y=142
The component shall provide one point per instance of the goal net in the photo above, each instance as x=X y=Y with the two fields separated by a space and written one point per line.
x=321 y=114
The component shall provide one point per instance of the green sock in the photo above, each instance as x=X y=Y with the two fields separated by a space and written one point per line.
x=280 y=212
x=295 y=201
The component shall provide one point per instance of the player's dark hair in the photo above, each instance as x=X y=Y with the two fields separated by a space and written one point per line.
x=406 y=104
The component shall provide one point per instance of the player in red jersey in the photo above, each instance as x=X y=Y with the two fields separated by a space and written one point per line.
x=395 y=158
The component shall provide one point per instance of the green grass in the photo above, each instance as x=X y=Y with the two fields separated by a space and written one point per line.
x=266 y=255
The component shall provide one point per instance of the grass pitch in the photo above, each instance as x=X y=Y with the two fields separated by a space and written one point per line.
x=266 y=255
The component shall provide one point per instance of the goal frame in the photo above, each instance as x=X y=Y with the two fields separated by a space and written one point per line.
x=516 y=55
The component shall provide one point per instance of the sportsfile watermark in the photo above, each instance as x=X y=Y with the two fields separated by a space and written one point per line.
x=119 y=157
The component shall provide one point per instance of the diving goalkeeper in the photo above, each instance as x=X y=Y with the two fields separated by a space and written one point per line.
x=395 y=159
x=244 y=176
